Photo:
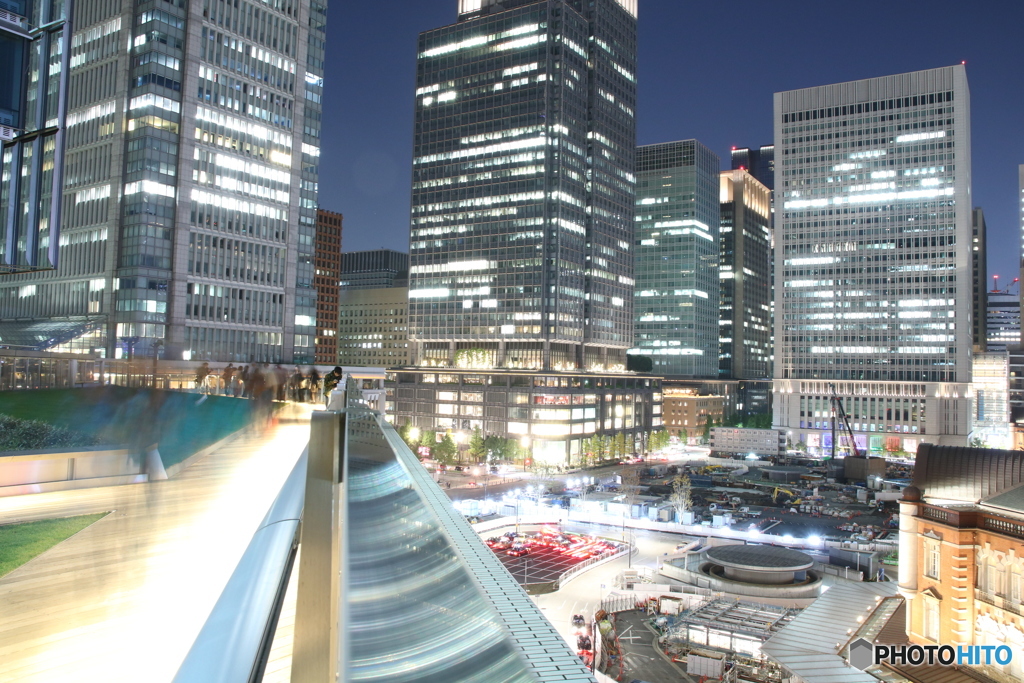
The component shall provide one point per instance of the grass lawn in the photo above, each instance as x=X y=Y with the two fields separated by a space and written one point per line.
x=19 y=543
x=134 y=417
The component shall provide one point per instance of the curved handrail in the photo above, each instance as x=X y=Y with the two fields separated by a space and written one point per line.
x=235 y=641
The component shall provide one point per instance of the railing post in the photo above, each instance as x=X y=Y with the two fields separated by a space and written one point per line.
x=319 y=646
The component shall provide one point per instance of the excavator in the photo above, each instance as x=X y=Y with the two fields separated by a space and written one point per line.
x=794 y=499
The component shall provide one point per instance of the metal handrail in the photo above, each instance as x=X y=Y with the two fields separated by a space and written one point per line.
x=234 y=643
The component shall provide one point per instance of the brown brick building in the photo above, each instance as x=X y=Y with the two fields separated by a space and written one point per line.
x=961 y=558
x=328 y=273
x=687 y=410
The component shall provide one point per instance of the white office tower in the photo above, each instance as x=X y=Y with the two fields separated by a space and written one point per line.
x=873 y=260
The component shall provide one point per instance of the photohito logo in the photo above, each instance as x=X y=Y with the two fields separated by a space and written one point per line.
x=863 y=654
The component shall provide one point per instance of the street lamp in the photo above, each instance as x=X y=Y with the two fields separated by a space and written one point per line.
x=414 y=434
x=459 y=438
x=525 y=443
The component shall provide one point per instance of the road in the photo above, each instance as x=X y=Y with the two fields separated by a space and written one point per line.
x=583 y=594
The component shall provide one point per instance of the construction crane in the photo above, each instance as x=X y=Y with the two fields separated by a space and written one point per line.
x=838 y=413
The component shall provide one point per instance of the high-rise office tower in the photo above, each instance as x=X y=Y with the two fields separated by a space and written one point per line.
x=523 y=186
x=1002 y=324
x=521 y=243
x=327 y=259
x=190 y=181
x=374 y=269
x=744 y=272
x=979 y=281
x=759 y=163
x=873 y=260
x=676 y=302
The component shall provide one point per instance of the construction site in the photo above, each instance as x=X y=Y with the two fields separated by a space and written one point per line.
x=705 y=637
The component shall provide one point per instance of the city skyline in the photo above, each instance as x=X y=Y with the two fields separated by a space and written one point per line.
x=383 y=149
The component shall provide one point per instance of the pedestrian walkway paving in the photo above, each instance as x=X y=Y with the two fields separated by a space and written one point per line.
x=124 y=599
x=642 y=658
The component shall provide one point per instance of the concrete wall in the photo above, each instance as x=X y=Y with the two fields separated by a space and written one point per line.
x=59 y=469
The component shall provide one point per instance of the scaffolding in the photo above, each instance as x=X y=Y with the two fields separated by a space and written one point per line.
x=728 y=625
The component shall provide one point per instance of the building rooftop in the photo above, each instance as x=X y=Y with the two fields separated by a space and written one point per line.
x=968 y=475
x=766 y=557
x=1011 y=500
x=809 y=645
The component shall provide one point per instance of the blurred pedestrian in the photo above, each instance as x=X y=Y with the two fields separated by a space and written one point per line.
x=225 y=377
x=201 y=374
x=269 y=381
x=247 y=375
x=295 y=384
x=261 y=393
x=281 y=375
x=313 y=382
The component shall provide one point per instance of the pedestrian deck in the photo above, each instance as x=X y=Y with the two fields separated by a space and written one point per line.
x=124 y=599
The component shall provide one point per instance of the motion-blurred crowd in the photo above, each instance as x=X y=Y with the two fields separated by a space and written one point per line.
x=263 y=383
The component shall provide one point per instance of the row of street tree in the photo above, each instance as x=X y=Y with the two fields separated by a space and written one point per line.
x=480 y=448
x=444 y=448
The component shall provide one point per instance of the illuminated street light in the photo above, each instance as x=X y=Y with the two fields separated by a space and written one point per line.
x=414 y=433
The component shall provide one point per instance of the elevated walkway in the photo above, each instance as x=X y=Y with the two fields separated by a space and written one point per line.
x=124 y=599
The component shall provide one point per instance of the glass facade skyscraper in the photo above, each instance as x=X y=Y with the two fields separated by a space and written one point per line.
x=744 y=271
x=759 y=163
x=523 y=186
x=190 y=181
x=873 y=260
x=677 y=234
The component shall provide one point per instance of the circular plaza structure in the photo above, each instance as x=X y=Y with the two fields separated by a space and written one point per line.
x=756 y=571
x=759 y=564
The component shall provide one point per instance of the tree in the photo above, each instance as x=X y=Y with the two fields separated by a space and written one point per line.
x=602 y=447
x=586 y=451
x=521 y=452
x=760 y=421
x=639 y=364
x=681 y=496
x=446 y=450
x=407 y=432
x=630 y=485
x=709 y=422
x=429 y=439
x=621 y=445
x=475 y=358
x=477 y=447
x=659 y=439
x=978 y=442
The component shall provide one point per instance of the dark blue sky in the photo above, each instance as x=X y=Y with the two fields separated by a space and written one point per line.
x=707 y=70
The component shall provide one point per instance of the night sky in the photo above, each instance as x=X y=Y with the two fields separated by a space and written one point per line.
x=707 y=70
